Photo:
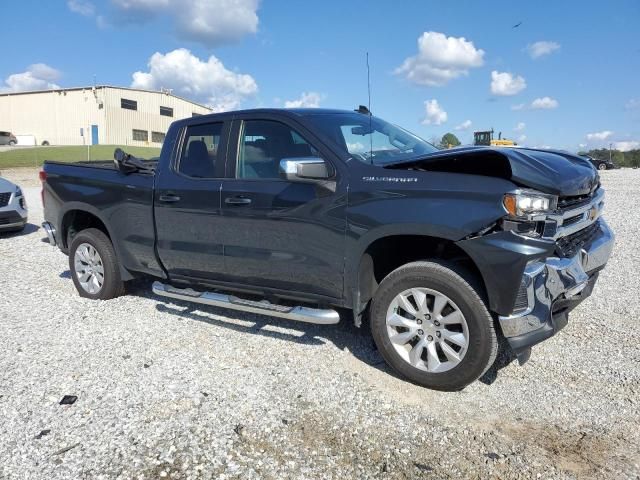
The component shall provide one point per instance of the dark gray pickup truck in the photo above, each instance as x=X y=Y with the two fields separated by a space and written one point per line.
x=317 y=215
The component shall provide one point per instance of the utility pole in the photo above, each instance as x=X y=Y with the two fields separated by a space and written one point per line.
x=610 y=153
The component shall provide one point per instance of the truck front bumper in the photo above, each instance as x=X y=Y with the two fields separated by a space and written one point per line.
x=550 y=289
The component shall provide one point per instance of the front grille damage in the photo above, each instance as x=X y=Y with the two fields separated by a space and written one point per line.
x=571 y=244
x=576 y=200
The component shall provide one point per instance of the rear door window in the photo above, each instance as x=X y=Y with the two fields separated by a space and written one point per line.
x=202 y=153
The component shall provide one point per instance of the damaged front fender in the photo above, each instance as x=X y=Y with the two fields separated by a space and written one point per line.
x=501 y=258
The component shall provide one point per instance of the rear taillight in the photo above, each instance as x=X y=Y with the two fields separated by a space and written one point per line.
x=43 y=178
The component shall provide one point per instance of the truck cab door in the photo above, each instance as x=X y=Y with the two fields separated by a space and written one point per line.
x=279 y=234
x=187 y=203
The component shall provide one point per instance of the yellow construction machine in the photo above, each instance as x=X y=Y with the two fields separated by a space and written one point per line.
x=486 y=138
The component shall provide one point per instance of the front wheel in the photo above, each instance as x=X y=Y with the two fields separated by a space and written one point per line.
x=94 y=266
x=431 y=325
x=602 y=166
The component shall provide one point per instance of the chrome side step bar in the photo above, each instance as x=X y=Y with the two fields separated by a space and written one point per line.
x=300 y=314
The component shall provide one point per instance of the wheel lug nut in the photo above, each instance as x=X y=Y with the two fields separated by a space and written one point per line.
x=420 y=332
x=429 y=338
x=436 y=323
x=427 y=316
x=438 y=334
x=419 y=322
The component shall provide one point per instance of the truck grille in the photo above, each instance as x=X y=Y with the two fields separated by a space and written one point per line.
x=571 y=244
x=576 y=200
x=4 y=199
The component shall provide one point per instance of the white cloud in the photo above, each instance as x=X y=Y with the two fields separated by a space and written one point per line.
x=633 y=104
x=522 y=138
x=435 y=115
x=506 y=84
x=466 y=125
x=582 y=145
x=204 y=81
x=356 y=147
x=440 y=59
x=626 y=146
x=218 y=21
x=599 y=136
x=544 y=103
x=208 y=22
x=306 y=100
x=542 y=48
x=519 y=106
x=38 y=76
x=520 y=127
x=83 y=7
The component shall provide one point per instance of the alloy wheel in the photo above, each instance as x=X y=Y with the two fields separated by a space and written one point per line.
x=89 y=268
x=427 y=329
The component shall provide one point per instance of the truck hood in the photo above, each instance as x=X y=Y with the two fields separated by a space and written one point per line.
x=549 y=171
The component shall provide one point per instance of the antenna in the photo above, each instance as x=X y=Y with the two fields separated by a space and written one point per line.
x=369 y=107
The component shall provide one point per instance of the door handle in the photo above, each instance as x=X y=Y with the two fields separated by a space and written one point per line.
x=237 y=201
x=169 y=198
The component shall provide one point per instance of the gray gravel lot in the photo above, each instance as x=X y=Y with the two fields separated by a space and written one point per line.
x=172 y=390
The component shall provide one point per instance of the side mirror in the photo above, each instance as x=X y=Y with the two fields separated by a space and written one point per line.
x=304 y=169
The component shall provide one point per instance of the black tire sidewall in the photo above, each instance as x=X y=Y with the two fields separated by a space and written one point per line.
x=442 y=278
x=112 y=286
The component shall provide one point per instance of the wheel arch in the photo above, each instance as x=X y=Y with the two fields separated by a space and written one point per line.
x=385 y=253
x=79 y=216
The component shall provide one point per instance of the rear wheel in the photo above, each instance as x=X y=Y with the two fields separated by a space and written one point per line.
x=12 y=143
x=94 y=266
x=431 y=325
x=602 y=166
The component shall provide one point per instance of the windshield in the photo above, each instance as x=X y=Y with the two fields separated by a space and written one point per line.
x=370 y=139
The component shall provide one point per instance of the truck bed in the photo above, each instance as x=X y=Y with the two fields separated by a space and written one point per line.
x=123 y=203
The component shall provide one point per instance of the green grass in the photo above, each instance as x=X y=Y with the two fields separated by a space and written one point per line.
x=35 y=156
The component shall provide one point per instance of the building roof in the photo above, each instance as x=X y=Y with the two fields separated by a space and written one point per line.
x=28 y=92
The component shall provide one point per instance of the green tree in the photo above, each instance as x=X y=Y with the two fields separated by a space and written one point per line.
x=629 y=158
x=449 y=140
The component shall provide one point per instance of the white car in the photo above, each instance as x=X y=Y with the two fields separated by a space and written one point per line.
x=13 y=207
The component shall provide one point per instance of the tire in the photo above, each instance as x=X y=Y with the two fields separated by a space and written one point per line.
x=12 y=143
x=45 y=143
x=602 y=166
x=112 y=285
x=461 y=294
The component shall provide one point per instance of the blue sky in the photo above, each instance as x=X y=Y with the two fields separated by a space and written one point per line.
x=272 y=52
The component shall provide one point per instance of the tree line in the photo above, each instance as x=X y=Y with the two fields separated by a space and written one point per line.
x=630 y=158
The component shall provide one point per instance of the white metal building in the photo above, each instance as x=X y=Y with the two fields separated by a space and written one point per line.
x=94 y=115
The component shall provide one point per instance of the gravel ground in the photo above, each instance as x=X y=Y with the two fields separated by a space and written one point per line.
x=172 y=390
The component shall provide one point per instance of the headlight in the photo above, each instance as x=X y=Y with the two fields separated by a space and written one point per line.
x=526 y=204
x=18 y=192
